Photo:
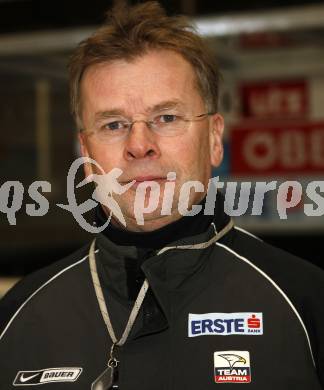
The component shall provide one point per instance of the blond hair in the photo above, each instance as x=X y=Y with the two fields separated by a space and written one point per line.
x=130 y=32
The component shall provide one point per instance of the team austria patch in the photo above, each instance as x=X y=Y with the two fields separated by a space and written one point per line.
x=232 y=367
x=225 y=324
x=47 y=375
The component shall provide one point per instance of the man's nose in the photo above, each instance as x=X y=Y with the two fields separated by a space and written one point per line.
x=141 y=142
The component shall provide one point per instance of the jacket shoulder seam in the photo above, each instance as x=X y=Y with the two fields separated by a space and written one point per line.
x=37 y=291
x=247 y=233
x=275 y=285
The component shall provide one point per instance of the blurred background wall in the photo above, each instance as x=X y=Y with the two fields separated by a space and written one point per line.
x=271 y=55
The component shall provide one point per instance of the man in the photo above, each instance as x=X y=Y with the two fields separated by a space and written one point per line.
x=177 y=302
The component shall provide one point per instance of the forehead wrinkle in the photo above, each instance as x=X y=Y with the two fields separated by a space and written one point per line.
x=126 y=102
x=164 y=105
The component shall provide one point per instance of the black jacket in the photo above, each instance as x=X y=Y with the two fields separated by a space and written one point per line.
x=226 y=311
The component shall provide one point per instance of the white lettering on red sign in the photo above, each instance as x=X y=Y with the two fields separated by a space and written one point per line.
x=277 y=150
x=275 y=99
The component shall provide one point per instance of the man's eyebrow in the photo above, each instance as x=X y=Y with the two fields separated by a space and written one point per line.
x=166 y=105
x=157 y=107
x=104 y=114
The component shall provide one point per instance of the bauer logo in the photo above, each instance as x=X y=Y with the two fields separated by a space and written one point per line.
x=225 y=324
x=232 y=367
x=47 y=375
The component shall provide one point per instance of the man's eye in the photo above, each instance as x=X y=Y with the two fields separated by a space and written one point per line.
x=115 y=125
x=167 y=118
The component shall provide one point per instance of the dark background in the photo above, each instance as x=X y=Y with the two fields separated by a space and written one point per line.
x=29 y=15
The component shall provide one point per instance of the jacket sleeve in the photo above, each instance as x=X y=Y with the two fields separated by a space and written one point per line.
x=300 y=280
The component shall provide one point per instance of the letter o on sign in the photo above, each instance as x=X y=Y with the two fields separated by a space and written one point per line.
x=259 y=150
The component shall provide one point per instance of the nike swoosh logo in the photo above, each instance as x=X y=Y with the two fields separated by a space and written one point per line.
x=27 y=378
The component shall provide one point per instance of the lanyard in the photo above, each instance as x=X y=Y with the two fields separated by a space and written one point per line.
x=102 y=303
x=109 y=378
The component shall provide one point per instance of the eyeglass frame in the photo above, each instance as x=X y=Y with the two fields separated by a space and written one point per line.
x=149 y=123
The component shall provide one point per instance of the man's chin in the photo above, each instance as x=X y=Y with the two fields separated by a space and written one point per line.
x=147 y=222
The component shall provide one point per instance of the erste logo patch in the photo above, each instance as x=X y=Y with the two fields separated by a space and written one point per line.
x=225 y=324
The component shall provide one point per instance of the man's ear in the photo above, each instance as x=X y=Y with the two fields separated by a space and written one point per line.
x=216 y=140
x=85 y=153
x=82 y=143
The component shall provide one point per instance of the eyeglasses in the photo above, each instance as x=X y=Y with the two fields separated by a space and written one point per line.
x=116 y=128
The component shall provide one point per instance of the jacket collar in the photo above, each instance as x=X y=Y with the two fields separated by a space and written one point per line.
x=124 y=267
x=157 y=239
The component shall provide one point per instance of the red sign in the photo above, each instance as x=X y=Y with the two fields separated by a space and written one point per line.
x=275 y=99
x=279 y=149
x=265 y=40
x=254 y=322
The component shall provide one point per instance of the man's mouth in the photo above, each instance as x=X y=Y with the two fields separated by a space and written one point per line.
x=142 y=179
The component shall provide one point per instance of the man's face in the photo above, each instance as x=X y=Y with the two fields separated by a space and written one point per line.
x=135 y=90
